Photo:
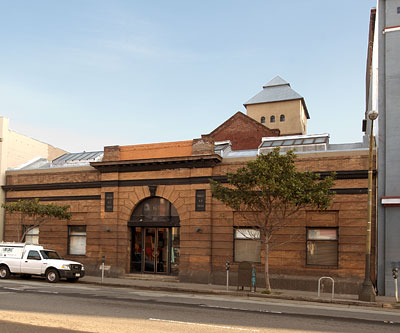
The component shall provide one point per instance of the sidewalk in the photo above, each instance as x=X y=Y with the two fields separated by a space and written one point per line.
x=167 y=283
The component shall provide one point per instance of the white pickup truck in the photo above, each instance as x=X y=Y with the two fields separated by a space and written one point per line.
x=27 y=260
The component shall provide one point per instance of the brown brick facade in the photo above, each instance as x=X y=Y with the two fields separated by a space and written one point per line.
x=206 y=237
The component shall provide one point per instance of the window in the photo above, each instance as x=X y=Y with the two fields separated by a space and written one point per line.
x=262 y=120
x=272 y=119
x=282 y=117
x=247 y=245
x=322 y=246
x=32 y=236
x=200 y=200
x=34 y=255
x=77 y=240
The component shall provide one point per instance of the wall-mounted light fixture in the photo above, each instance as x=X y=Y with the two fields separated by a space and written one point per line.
x=197 y=229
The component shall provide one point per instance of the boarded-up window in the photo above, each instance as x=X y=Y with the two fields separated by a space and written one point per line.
x=247 y=245
x=32 y=236
x=322 y=246
x=77 y=240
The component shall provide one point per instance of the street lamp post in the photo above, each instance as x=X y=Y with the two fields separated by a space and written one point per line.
x=367 y=292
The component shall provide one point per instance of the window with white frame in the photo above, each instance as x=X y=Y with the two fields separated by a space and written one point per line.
x=247 y=245
x=77 y=240
x=322 y=246
x=32 y=235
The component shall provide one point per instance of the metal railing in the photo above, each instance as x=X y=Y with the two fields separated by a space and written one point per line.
x=319 y=285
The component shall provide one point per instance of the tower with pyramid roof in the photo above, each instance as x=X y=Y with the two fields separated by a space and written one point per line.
x=278 y=106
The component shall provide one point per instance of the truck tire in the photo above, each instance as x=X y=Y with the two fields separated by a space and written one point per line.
x=4 y=272
x=52 y=275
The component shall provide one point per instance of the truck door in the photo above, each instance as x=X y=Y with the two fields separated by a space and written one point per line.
x=32 y=263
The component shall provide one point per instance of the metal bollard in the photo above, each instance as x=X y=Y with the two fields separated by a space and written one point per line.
x=253 y=279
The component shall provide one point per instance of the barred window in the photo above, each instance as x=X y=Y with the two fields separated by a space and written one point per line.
x=247 y=245
x=322 y=246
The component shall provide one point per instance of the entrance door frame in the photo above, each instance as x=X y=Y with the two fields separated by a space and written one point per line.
x=150 y=221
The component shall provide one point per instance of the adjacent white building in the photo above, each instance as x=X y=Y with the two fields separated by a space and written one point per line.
x=17 y=149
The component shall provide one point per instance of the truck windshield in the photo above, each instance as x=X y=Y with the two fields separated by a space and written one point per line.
x=46 y=254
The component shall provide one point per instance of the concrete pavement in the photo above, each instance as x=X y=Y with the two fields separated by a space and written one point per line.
x=169 y=283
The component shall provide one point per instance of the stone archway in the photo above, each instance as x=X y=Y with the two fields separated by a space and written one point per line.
x=155 y=237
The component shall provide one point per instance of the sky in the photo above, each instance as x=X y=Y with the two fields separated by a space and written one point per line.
x=84 y=74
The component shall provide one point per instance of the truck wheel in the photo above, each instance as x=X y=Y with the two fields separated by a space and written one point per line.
x=52 y=276
x=4 y=272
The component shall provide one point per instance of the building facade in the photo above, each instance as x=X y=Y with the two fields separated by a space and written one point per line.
x=383 y=86
x=149 y=209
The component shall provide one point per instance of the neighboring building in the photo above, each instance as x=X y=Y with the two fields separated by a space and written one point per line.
x=16 y=149
x=278 y=106
x=149 y=209
x=383 y=87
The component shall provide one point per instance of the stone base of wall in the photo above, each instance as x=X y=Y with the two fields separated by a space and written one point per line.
x=94 y=270
x=195 y=276
x=288 y=282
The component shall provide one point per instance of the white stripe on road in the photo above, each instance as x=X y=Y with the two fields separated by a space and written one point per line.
x=206 y=325
x=17 y=289
x=229 y=308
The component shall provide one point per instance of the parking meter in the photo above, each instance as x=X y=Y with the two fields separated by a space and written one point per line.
x=227 y=267
x=395 y=272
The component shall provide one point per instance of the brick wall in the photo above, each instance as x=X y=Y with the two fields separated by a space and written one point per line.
x=203 y=253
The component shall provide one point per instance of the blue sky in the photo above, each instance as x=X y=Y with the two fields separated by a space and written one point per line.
x=84 y=74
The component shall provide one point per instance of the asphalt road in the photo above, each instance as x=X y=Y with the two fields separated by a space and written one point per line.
x=37 y=306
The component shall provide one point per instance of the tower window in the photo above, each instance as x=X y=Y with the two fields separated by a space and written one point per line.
x=262 y=120
x=272 y=119
x=282 y=117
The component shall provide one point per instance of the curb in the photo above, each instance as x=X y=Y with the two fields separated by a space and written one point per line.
x=250 y=294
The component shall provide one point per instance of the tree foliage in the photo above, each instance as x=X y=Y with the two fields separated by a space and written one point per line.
x=269 y=190
x=37 y=212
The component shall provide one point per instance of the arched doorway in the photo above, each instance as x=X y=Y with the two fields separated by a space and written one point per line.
x=155 y=237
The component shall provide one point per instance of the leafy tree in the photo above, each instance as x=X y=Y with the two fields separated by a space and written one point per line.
x=39 y=213
x=268 y=191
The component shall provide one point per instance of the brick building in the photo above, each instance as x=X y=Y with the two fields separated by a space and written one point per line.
x=149 y=209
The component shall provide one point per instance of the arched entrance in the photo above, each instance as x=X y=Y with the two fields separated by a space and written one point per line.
x=155 y=237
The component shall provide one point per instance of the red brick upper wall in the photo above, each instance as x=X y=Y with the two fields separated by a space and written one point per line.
x=243 y=132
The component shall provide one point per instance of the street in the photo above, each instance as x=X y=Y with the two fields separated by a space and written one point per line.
x=34 y=305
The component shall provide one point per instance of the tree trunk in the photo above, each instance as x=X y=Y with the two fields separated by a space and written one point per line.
x=266 y=267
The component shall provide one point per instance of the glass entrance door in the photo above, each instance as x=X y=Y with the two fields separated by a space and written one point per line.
x=162 y=253
x=155 y=250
